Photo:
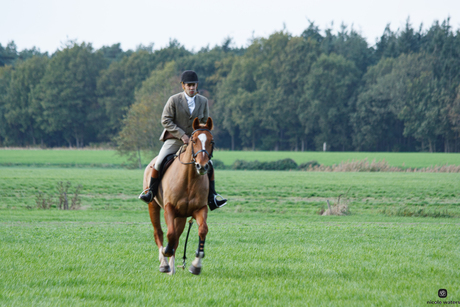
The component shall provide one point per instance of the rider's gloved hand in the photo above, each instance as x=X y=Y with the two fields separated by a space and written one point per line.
x=185 y=139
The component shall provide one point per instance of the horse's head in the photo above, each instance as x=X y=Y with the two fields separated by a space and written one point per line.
x=202 y=145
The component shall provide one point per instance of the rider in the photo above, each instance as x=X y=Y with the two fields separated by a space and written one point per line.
x=177 y=119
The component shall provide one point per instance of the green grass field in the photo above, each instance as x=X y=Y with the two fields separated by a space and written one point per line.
x=267 y=247
x=108 y=258
x=248 y=191
x=109 y=158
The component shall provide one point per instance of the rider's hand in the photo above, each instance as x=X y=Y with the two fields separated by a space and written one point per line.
x=185 y=139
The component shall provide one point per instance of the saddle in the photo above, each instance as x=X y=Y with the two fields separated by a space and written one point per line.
x=166 y=163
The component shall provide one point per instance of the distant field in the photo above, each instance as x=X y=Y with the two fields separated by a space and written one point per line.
x=249 y=191
x=59 y=156
x=109 y=158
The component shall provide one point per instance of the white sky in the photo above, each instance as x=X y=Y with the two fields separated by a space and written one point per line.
x=47 y=24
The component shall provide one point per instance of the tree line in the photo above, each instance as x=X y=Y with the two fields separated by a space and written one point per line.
x=282 y=92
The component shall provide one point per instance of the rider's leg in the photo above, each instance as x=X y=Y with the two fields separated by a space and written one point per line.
x=170 y=146
x=153 y=187
x=213 y=202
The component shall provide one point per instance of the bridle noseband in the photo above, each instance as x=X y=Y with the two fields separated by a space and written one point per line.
x=194 y=155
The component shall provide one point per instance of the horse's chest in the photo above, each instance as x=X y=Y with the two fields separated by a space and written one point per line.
x=186 y=206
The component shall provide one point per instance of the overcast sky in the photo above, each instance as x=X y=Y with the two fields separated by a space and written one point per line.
x=47 y=24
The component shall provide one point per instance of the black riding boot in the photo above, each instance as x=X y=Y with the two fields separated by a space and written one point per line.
x=213 y=202
x=153 y=188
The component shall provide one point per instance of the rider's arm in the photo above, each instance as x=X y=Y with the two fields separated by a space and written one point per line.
x=168 y=117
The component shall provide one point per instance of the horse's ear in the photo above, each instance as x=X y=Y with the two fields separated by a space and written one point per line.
x=209 y=123
x=196 y=123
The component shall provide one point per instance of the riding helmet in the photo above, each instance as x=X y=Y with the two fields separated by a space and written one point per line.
x=189 y=76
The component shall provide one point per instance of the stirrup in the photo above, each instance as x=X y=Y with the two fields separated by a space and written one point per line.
x=145 y=192
x=223 y=199
x=214 y=205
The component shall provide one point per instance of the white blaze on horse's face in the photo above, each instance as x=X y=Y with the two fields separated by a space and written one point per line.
x=203 y=138
x=202 y=169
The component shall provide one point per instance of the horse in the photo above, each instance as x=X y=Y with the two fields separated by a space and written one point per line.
x=183 y=193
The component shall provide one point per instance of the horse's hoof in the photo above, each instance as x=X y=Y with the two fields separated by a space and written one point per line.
x=194 y=270
x=165 y=269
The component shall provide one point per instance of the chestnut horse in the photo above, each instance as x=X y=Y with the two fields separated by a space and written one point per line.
x=183 y=192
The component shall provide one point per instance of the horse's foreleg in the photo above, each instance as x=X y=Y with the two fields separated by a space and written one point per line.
x=170 y=215
x=200 y=217
x=179 y=224
x=154 y=211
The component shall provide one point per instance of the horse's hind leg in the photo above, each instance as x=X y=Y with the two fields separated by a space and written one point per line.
x=200 y=217
x=154 y=211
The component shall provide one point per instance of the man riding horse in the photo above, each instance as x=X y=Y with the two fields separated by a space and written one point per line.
x=177 y=119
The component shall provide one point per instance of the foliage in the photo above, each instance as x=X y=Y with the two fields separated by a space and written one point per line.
x=5 y=78
x=142 y=125
x=22 y=110
x=67 y=94
x=309 y=164
x=280 y=165
x=8 y=54
x=117 y=84
x=218 y=164
x=281 y=92
x=44 y=200
x=329 y=89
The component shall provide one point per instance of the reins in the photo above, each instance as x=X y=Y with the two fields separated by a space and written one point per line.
x=190 y=223
x=194 y=155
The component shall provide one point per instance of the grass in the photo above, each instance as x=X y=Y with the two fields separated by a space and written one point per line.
x=109 y=158
x=60 y=157
x=267 y=247
x=252 y=259
x=330 y=158
x=248 y=191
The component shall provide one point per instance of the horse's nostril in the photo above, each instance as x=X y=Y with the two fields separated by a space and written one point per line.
x=198 y=165
x=206 y=167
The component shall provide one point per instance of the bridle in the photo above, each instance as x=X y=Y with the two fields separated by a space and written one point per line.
x=194 y=155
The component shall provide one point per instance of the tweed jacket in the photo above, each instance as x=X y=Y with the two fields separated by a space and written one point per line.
x=176 y=117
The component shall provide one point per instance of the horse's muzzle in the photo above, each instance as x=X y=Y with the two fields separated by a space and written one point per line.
x=201 y=169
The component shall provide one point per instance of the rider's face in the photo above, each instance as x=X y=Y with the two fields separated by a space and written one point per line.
x=190 y=88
